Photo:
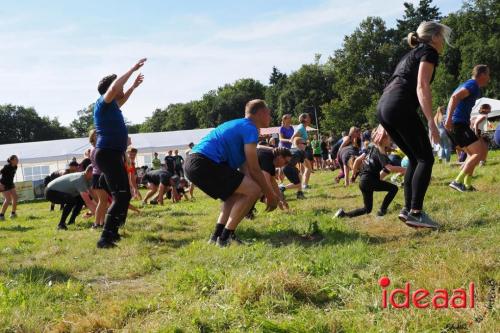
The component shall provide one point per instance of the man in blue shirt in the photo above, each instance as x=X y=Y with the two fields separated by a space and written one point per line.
x=225 y=166
x=112 y=138
x=458 y=126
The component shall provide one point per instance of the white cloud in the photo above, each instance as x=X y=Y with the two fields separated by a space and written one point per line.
x=57 y=70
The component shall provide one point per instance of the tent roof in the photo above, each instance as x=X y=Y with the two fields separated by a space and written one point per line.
x=44 y=151
x=495 y=107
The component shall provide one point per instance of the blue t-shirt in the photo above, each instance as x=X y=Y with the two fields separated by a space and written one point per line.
x=464 y=107
x=110 y=126
x=225 y=144
x=287 y=133
x=303 y=132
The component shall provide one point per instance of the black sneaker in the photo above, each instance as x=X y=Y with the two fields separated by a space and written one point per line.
x=300 y=195
x=94 y=226
x=103 y=243
x=421 y=220
x=213 y=239
x=282 y=188
x=458 y=186
x=339 y=214
x=382 y=212
x=62 y=227
x=13 y=215
x=153 y=202
x=2 y=217
x=231 y=240
x=115 y=237
x=403 y=214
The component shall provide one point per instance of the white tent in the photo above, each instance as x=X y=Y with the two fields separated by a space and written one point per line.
x=495 y=107
x=495 y=112
x=39 y=159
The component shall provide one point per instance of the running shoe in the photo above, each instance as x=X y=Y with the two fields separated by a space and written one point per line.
x=403 y=214
x=153 y=202
x=282 y=188
x=213 y=239
x=13 y=215
x=382 y=212
x=232 y=239
x=105 y=244
x=2 y=218
x=458 y=186
x=300 y=195
x=62 y=227
x=339 y=214
x=306 y=187
x=94 y=226
x=421 y=220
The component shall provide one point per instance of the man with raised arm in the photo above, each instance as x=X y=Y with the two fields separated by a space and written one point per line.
x=112 y=136
x=225 y=166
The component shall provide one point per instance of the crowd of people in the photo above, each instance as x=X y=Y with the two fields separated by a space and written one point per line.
x=238 y=166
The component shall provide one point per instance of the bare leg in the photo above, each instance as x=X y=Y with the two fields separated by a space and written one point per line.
x=152 y=190
x=14 y=200
x=8 y=199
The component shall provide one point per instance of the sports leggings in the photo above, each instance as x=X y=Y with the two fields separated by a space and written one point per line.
x=111 y=164
x=398 y=115
x=368 y=185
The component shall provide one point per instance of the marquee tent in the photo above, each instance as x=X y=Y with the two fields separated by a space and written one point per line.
x=39 y=159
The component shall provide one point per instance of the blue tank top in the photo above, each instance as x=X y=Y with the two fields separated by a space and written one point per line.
x=110 y=126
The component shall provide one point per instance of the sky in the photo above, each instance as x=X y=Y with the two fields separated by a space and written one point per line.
x=53 y=53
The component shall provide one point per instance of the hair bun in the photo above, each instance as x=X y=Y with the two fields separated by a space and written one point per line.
x=413 y=39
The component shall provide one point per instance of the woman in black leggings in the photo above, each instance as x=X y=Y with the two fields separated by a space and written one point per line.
x=375 y=166
x=409 y=88
x=112 y=139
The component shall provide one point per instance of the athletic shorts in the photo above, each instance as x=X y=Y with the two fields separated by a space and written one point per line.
x=8 y=187
x=317 y=155
x=324 y=156
x=103 y=185
x=218 y=180
x=95 y=182
x=462 y=135
x=292 y=174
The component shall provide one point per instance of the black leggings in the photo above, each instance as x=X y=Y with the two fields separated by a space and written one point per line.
x=68 y=204
x=111 y=163
x=368 y=185
x=398 y=114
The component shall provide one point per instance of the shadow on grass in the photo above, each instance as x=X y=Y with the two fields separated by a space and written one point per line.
x=313 y=238
x=18 y=228
x=170 y=242
x=38 y=274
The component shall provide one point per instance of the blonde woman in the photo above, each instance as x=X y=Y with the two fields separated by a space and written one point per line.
x=410 y=87
x=444 y=140
x=301 y=132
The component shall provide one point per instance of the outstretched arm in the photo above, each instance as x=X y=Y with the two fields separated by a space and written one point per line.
x=118 y=84
x=138 y=80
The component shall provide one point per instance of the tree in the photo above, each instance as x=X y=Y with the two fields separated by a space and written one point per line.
x=84 y=123
x=20 y=124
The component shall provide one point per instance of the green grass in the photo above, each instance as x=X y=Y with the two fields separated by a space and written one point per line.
x=303 y=272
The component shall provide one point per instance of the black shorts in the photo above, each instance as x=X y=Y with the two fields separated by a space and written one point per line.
x=103 y=185
x=8 y=187
x=324 y=156
x=218 y=180
x=292 y=174
x=96 y=183
x=462 y=135
x=317 y=155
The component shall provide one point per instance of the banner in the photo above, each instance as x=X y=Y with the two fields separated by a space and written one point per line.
x=25 y=190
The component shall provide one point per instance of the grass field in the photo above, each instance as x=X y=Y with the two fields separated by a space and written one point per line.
x=303 y=271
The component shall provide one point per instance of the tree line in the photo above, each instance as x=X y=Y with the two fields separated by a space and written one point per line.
x=342 y=88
